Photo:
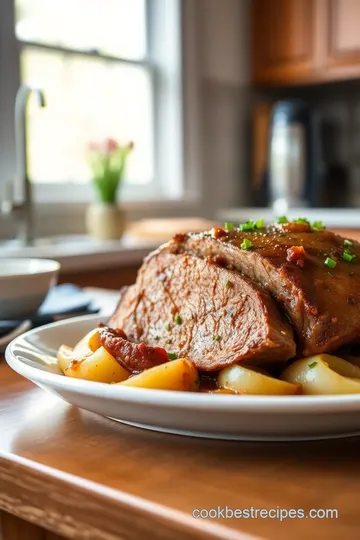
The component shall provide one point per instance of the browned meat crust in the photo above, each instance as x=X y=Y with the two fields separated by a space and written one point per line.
x=323 y=304
x=212 y=315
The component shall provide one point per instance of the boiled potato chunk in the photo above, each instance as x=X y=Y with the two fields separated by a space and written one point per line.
x=324 y=374
x=65 y=357
x=87 y=345
x=179 y=375
x=352 y=359
x=99 y=366
x=245 y=380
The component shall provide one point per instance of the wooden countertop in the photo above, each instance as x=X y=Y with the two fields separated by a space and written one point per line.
x=83 y=476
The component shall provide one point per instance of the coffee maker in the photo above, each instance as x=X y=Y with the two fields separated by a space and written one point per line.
x=292 y=160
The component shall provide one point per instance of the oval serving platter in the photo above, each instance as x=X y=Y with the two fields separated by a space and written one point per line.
x=220 y=416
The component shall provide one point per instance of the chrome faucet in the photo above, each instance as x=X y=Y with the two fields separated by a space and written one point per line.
x=23 y=211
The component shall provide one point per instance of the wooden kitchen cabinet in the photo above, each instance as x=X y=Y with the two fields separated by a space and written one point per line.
x=283 y=40
x=343 y=36
x=305 y=41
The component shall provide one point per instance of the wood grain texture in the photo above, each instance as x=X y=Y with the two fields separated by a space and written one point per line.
x=283 y=41
x=298 y=42
x=13 y=528
x=83 y=476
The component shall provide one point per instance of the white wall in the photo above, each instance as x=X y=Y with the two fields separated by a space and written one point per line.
x=225 y=41
x=225 y=90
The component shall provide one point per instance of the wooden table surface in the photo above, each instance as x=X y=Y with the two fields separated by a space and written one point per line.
x=69 y=473
x=83 y=476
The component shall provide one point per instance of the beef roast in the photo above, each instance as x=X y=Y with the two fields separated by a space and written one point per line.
x=322 y=303
x=196 y=309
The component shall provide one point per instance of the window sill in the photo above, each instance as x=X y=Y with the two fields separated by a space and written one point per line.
x=52 y=219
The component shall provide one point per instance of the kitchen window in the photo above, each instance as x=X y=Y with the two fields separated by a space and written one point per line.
x=108 y=68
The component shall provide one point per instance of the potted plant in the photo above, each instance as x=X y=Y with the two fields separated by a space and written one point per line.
x=107 y=161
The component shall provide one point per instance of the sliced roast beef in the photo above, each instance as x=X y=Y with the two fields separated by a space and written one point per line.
x=313 y=275
x=196 y=309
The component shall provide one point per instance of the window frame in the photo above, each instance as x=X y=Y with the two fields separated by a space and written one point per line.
x=166 y=69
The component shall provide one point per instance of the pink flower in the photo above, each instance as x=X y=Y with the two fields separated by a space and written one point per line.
x=111 y=145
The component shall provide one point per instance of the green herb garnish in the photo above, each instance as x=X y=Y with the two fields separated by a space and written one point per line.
x=329 y=262
x=156 y=338
x=228 y=284
x=348 y=256
x=260 y=224
x=248 y=226
x=318 y=225
x=229 y=226
x=216 y=337
x=168 y=341
x=177 y=319
x=172 y=356
x=246 y=244
x=302 y=220
x=312 y=365
x=347 y=243
x=282 y=219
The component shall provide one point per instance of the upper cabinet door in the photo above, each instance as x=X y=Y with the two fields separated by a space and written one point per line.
x=343 y=33
x=284 y=40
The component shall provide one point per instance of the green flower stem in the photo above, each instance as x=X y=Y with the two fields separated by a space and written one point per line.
x=108 y=172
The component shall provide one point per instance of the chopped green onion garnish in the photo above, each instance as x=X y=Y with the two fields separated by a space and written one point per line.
x=312 y=365
x=248 y=226
x=168 y=327
x=229 y=226
x=301 y=220
x=282 y=219
x=172 y=356
x=348 y=257
x=330 y=263
x=228 y=284
x=347 y=243
x=168 y=341
x=216 y=338
x=318 y=225
x=156 y=338
x=260 y=224
x=177 y=319
x=246 y=244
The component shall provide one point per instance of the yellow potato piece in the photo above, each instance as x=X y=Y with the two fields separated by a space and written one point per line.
x=179 y=375
x=87 y=345
x=65 y=357
x=99 y=366
x=245 y=380
x=352 y=359
x=324 y=374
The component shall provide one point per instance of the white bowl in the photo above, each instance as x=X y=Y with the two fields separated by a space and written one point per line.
x=24 y=284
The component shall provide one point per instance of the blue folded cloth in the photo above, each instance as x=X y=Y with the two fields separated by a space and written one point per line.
x=62 y=300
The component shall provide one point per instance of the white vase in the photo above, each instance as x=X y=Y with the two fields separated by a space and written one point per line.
x=105 y=221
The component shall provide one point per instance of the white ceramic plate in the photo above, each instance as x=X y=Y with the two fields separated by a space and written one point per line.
x=256 y=418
